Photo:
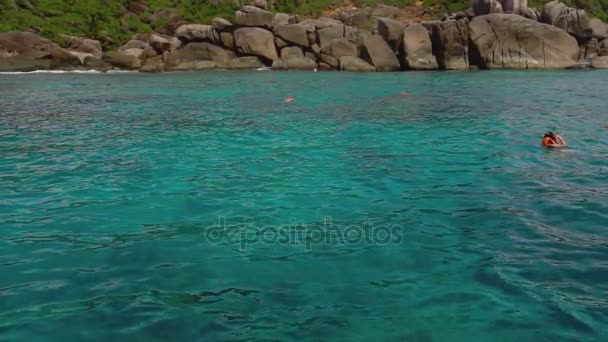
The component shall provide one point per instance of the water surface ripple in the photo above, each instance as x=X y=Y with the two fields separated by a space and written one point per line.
x=455 y=225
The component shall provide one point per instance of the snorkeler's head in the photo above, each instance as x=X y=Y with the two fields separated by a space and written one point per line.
x=550 y=135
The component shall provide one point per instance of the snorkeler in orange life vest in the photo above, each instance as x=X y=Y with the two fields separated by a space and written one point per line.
x=554 y=140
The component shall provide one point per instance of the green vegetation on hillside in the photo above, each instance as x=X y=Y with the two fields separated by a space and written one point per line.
x=598 y=8
x=107 y=20
x=110 y=22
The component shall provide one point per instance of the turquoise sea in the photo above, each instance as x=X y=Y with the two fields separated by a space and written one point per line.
x=203 y=207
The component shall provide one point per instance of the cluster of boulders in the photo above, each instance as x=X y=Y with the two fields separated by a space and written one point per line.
x=26 y=51
x=493 y=34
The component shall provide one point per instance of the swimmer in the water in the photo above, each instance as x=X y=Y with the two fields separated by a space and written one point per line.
x=554 y=140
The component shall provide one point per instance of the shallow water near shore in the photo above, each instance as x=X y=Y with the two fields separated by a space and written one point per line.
x=201 y=206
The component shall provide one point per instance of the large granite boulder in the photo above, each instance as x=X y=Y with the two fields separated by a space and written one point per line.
x=222 y=25
x=23 y=65
x=351 y=33
x=603 y=47
x=339 y=47
x=571 y=20
x=227 y=39
x=450 y=43
x=329 y=60
x=134 y=44
x=204 y=51
x=198 y=33
x=153 y=65
x=141 y=49
x=150 y=40
x=96 y=64
x=349 y=63
x=255 y=41
x=513 y=5
x=417 y=48
x=311 y=55
x=588 y=49
x=26 y=51
x=599 y=62
x=360 y=18
x=599 y=29
x=249 y=62
x=63 y=59
x=121 y=60
x=391 y=30
x=293 y=33
x=361 y=36
x=132 y=52
x=84 y=45
x=263 y=4
x=149 y=52
x=376 y=51
x=291 y=52
x=253 y=16
x=366 y=17
x=324 y=67
x=312 y=37
x=295 y=63
x=26 y=45
x=481 y=7
x=161 y=44
x=280 y=43
x=195 y=65
x=283 y=19
x=509 y=41
x=328 y=31
x=323 y=30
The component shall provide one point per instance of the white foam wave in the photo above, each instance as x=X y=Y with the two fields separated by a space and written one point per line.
x=50 y=72
x=64 y=72
x=121 y=71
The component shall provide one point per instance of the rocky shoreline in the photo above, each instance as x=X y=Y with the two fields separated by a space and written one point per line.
x=491 y=35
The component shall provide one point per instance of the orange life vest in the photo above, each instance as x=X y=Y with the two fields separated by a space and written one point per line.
x=547 y=141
